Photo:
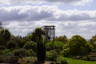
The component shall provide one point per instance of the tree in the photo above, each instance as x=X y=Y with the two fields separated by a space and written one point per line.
x=4 y=36
x=19 y=41
x=38 y=37
x=58 y=46
x=62 y=39
x=30 y=45
x=20 y=52
x=93 y=41
x=36 y=34
x=79 y=46
x=0 y=25
x=12 y=44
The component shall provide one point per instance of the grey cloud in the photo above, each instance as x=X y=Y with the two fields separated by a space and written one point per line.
x=86 y=31
x=65 y=1
x=61 y=1
x=80 y=17
x=40 y=13
x=30 y=15
x=24 y=2
x=11 y=15
x=35 y=15
x=73 y=17
x=72 y=28
x=66 y=22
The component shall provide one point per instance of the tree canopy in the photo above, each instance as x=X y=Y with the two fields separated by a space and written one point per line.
x=79 y=46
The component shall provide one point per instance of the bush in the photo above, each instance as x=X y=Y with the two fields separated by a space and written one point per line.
x=51 y=55
x=7 y=52
x=4 y=36
x=30 y=52
x=30 y=45
x=61 y=60
x=66 y=52
x=2 y=47
x=57 y=45
x=12 y=44
x=63 y=39
x=20 y=52
x=27 y=60
x=79 y=46
x=8 y=59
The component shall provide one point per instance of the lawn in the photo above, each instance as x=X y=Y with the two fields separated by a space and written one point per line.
x=75 y=61
x=70 y=61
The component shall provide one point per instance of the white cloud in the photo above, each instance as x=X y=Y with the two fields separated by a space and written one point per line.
x=21 y=20
x=82 y=24
x=25 y=13
x=82 y=2
x=48 y=13
x=73 y=2
x=5 y=2
x=72 y=28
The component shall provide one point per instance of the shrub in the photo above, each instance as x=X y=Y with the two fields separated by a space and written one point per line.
x=79 y=46
x=20 y=52
x=27 y=60
x=63 y=39
x=30 y=45
x=57 y=45
x=66 y=52
x=61 y=60
x=12 y=44
x=8 y=59
x=4 y=36
x=7 y=52
x=30 y=52
x=2 y=47
x=51 y=55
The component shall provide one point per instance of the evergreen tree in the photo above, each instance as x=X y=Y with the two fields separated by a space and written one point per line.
x=38 y=37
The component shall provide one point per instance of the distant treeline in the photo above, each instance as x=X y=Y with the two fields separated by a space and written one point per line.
x=26 y=46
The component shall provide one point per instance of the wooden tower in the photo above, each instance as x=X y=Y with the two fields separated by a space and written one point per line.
x=49 y=32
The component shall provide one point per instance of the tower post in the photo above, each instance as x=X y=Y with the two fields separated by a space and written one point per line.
x=49 y=32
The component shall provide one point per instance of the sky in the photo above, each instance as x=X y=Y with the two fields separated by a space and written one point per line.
x=71 y=17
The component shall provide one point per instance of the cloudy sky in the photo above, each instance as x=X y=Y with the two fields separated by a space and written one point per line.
x=69 y=16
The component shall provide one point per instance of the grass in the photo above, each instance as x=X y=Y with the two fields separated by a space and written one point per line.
x=75 y=61
x=70 y=61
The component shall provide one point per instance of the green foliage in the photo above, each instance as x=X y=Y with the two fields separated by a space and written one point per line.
x=93 y=42
x=2 y=47
x=7 y=52
x=93 y=39
x=4 y=36
x=77 y=61
x=51 y=55
x=66 y=52
x=34 y=45
x=30 y=52
x=79 y=46
x=27 y=60
x=12 y=44
x=30 y=45
x=63 y=39
x=57 y=45
x=61 y=60
x=36 y=36
x=8 y=59
x=20 y=52
x=20 y=41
